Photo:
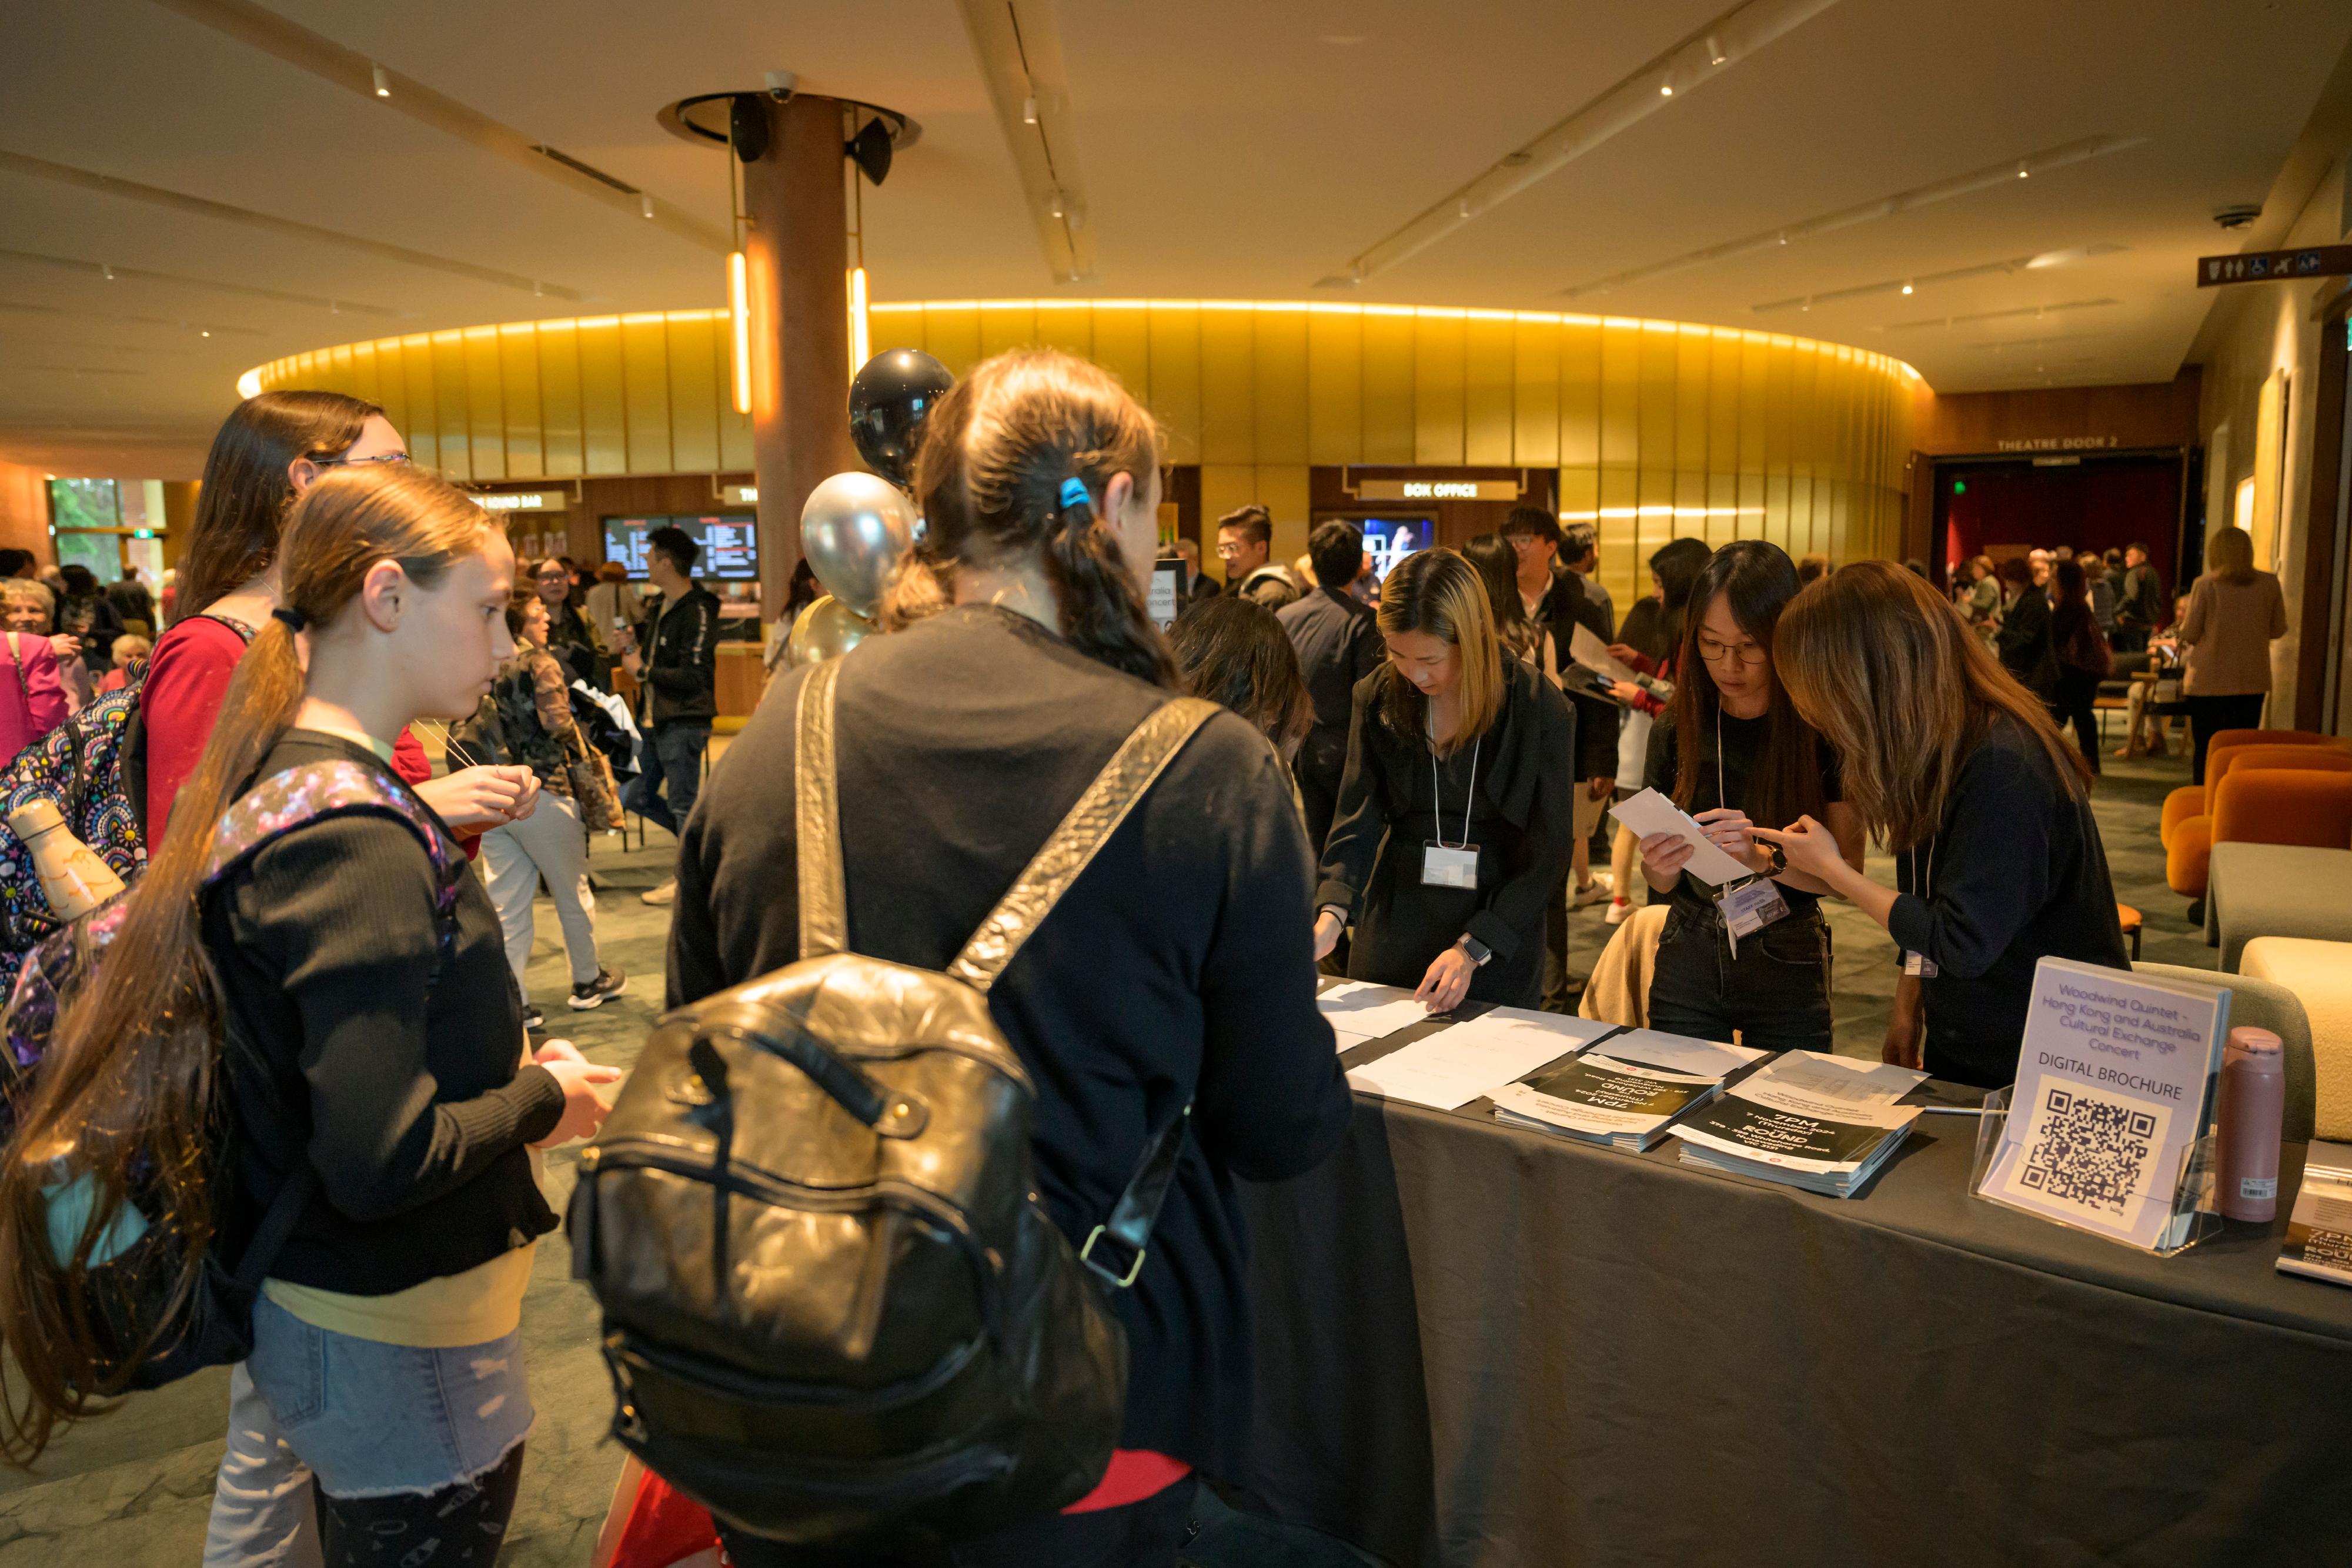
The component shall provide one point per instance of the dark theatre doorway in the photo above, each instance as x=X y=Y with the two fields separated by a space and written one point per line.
x=2094 y=501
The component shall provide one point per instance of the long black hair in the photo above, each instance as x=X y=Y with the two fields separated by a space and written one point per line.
x=1757 y=580
x=1499 y=568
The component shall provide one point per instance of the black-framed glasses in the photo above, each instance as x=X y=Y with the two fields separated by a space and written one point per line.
x=356 y=462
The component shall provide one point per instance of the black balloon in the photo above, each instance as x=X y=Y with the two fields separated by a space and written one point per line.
x=888 y=403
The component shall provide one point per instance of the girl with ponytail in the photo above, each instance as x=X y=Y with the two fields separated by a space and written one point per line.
x=313 y=1014
x=1175 y=970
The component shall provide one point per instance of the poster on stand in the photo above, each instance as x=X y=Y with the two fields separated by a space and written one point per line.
x=2116 y=1081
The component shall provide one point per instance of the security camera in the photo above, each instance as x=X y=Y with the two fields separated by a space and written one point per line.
x=781 y=84
x=2238 y=214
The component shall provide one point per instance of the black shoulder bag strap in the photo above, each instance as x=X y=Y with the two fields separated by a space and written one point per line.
x=1070 y=849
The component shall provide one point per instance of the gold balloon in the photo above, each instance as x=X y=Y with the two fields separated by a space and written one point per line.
x=826 y=630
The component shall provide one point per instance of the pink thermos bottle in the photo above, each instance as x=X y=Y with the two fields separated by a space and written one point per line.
x=2253 y=1102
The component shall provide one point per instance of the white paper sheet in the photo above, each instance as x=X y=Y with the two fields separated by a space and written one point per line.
x=1680 y=1053
x=1456 y=1065
x=1593 y=654
x=1649 y=812
x=1357 y=1010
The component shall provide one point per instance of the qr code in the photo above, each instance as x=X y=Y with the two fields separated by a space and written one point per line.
x=2090 y=1151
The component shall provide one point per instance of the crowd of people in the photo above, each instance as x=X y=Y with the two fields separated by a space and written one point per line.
x=1406 y=784
x=2066 y=623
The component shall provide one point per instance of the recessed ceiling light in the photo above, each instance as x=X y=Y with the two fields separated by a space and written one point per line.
x=1907 y=287
x=1666 y=89
x=383 y=83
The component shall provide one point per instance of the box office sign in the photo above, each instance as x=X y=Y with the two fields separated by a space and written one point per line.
x=1437 y=490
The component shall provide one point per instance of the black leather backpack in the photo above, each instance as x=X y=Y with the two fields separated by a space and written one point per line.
x=835 y=1311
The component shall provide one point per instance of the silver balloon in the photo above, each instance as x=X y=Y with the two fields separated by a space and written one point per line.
x=826 y=630
x=856 y=530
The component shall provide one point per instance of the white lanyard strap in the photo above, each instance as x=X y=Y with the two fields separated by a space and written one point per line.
x=1437 y=787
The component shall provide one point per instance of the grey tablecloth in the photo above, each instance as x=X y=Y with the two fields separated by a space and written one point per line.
x=1483 y=1346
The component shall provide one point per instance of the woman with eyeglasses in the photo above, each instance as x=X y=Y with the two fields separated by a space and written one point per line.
x=1750 y=956
x=568 y=637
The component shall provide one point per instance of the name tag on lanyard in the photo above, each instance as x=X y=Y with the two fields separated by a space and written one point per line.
x=1749 y=908
x=1449 y=865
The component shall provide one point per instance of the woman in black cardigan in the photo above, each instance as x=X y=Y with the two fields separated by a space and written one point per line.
x=1456 y=813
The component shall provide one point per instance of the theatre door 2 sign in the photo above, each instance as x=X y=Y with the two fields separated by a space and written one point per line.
x=2270 y=266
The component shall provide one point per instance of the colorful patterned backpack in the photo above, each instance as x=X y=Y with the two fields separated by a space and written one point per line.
x=94 y=766
x=125 y=1284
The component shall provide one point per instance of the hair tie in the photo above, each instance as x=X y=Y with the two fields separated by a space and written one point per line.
x=1073 y=493
x=295 y=620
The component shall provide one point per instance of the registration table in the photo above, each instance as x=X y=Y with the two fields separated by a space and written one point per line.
x=1480 y=1346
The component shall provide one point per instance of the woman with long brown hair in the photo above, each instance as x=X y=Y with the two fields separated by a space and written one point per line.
x=271 y=449
x=1458 y=806
x=360 y=1040
x=1176 y=969
x=1753 y=958
x=1958 y=770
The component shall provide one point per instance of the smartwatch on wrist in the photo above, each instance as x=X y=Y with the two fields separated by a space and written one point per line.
x=1478 y=952
x=1780 y=859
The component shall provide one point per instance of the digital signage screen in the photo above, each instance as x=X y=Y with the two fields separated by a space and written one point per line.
x=1390 y=540
x=729 y=541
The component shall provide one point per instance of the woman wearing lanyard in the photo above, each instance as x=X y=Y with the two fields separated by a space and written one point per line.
x=1752 y=957
x=1959 y=770
x=1457 y=809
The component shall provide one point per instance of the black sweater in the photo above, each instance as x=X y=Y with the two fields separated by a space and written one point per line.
x=1178 y=967
x=2015 y=872
x=405 y=1096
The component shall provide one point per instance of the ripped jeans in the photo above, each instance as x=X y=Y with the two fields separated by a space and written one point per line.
x=369 y=1424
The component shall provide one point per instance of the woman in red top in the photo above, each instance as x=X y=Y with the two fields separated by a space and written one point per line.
x=268 y=452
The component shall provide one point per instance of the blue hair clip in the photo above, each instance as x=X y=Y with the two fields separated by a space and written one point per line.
x=1073 y=493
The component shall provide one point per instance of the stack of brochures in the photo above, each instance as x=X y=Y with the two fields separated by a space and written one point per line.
x=1824 y=1123
x=1624 y=1091
x=2319 y=1232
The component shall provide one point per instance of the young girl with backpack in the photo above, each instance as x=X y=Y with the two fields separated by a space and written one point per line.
x=329 y=1013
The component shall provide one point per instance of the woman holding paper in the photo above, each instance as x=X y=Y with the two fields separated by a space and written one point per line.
x=1960 y=771
x=1753 y=955
x=1458 y=807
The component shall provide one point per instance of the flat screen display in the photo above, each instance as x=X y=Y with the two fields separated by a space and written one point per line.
x=1390 y=540
x=729 y=541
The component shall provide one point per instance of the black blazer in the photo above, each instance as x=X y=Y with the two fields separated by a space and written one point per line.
x=1526 y=796
x=1565 y=606
x=1178 y=968
x=1339 y=644
x=2024 y=643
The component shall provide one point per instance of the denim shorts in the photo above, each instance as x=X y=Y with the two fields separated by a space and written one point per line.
x=378 y=1421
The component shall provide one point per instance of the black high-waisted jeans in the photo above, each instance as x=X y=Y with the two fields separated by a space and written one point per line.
x=1776 y=992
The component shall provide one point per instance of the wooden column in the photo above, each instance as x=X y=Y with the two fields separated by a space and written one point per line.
x=795 y=254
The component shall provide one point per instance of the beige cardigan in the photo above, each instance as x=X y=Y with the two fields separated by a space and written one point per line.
x=2228 y=632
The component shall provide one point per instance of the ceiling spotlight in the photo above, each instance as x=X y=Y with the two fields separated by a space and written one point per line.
x=205 y=334
x=1907 y=287
x=1054 y=203
x=1463 y=209
x=1784 y=236
x=1715 y=54
x=2023 y=172
x=1029 y=110
x=383 y=83
x=106 y=271
x=1666 y=89
x=645 y=203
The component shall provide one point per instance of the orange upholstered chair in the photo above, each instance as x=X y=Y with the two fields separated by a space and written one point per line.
x=2265 y=795
x=2195 y=799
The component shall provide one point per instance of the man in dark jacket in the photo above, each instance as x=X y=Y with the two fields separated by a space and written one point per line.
x=1338 y=645
x=2140 y=606
x=1245 y=544
x=1558 y=601
x=679 y=669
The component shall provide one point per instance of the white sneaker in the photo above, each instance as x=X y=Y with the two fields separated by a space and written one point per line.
x=1620 y=911
x=1603 y=886
x=666 y=894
